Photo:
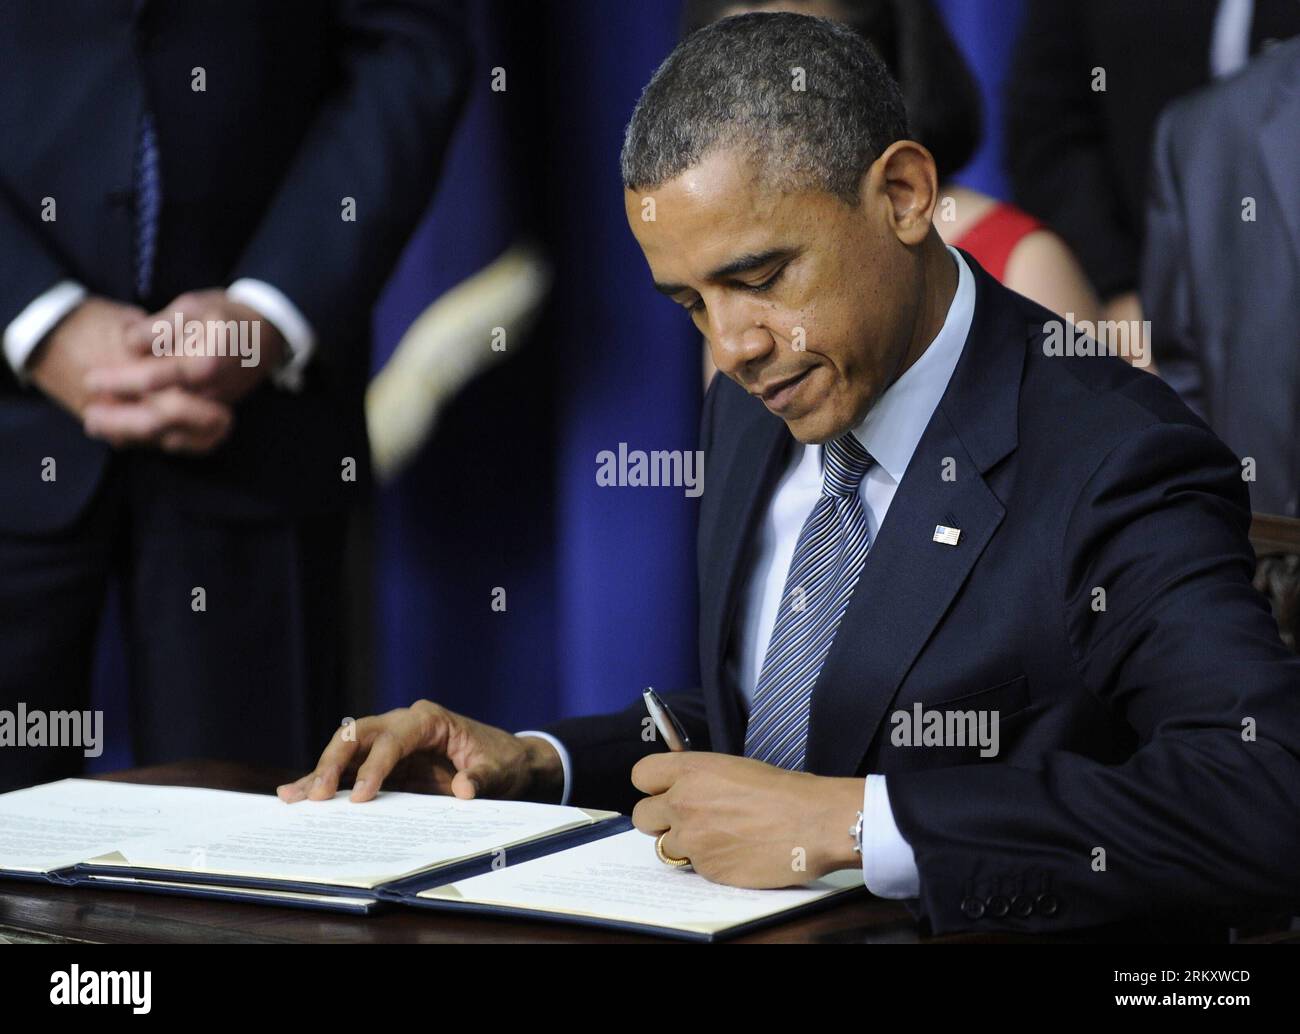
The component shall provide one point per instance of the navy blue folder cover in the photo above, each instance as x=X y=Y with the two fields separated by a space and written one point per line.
x=236 y=888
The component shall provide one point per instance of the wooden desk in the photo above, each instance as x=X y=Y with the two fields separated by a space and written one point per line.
x=33 y=911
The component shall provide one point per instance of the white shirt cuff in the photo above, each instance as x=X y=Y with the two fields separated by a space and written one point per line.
x=282 y=314
x=30 y=326
x=564 y=758
x=888 y=863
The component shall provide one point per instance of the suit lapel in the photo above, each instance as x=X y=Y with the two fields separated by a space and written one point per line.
x=909 y=580
x=907 y=583
x=763 y=449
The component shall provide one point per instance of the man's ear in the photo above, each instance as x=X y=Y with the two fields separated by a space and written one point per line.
x=906 y=178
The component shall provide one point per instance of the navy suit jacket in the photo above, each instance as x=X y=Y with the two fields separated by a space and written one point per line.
x=1222 y=291
x=1162 y=730
x=306 y=103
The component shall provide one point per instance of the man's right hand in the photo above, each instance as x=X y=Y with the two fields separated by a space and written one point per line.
x=428 y=749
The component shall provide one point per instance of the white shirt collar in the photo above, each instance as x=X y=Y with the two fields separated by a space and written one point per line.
x=893 y=427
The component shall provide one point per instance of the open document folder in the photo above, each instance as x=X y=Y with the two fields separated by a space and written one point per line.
x=513 y=857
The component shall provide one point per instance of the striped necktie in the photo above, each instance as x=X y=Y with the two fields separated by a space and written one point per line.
x=825 y=567
x=148 y=204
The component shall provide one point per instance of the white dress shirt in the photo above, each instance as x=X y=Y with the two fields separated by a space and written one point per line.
x=1230 y=37
x=26 y=330
x=890 y=433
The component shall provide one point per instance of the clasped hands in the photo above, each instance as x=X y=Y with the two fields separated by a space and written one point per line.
x=99 y=363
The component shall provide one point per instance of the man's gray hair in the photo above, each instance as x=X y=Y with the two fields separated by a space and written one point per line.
x=808 y=100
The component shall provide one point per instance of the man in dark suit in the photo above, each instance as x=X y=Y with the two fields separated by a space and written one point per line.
x=976 y=613
x=251 y=170
x=1221 y=267
x=1086 y=85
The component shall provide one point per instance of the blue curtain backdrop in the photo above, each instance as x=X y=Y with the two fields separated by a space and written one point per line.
x=986 y=31
x=600 y=583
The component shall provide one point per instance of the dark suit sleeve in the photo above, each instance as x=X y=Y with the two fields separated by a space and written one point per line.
x=1056 y=148
x=27 y=269
x=379 y=139
x=603 y=748
x=1166 y=278
x=1204 y=816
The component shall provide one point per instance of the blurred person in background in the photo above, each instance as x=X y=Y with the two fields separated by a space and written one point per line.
x=1221 y=267
x=1087 y=83
x=251 y=166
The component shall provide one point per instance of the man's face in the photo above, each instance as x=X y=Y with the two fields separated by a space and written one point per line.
x=806 y=302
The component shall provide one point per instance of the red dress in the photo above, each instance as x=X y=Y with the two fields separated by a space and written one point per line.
x=996 y=234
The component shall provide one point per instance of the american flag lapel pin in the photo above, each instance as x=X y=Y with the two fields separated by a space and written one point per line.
x=948 y=536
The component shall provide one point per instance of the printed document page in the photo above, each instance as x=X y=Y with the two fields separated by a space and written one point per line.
x=621 y=878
